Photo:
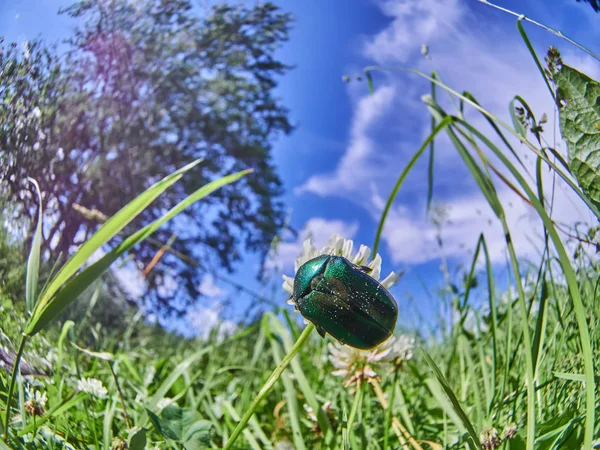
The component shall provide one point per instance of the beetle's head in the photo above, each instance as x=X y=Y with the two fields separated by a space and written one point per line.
x=307 y=274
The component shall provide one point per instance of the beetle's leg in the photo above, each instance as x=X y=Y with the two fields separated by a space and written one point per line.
x=321 y=330
x=365 y=269
x=290 y=301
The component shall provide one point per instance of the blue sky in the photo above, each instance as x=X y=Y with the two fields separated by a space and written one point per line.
x=340 y=164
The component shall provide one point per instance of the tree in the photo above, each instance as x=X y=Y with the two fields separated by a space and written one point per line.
x=146 y=87
x=593 y=3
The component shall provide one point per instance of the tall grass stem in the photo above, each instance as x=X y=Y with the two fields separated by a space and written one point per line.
x=268 y=385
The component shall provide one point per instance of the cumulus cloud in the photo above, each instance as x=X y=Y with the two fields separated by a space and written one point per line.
x=351 y=173
x=469 y=55
x=413 y=24
x=319 y=230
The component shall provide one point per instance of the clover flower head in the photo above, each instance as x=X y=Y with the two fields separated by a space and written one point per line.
x=357 y=366
x=327 y=408
x=339 y=246
x=93 y=387
x=164 y=402
x=489 y=439
x=401 y=349
x=510 y=431
x=36 y=404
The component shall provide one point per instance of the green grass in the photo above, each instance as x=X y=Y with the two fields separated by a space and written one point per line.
x=212 y=384
x=517 y=369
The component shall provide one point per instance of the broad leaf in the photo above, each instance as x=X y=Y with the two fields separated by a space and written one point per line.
x=579 y=96
x=137 y=439
x=183 y=425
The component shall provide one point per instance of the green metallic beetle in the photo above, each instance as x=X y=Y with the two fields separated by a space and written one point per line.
x=341 y=299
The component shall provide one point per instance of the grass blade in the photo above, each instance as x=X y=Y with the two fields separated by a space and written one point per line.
x=464 y=420
x=443 y=124
x=290 y=392
x=106 y=232
x=44 y=315
x=571 y=279
x=33 y=262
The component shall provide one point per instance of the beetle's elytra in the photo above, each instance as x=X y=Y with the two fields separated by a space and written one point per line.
x=342 y=300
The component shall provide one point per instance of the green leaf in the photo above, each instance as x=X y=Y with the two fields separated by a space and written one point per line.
x=163 y=426
x=184 y=425
x=106 y=356
x=33 y=262
x=570 y=376
x=44 y=315
x=518 y=126
x=110 y=229
x=580 y=126
x=175 y=374
x=453 y=400
x=137 y=439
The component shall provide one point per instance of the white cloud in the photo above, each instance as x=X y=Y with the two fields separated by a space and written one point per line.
x=413 y=23
x=469 y=54
x=351 y=171
x=320 y=230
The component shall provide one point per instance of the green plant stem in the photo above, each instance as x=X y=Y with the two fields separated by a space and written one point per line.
x=112 y=370
x=388 y=413
x=268 y=385
x=550 y=30
x=358 y=396
x=401 y=432
x=13 y=379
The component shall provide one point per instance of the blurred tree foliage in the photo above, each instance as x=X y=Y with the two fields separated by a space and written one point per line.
x=593 y=3
x=145 y=87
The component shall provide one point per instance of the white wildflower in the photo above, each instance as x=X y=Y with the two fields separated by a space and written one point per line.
x=149 y=375
x=284 y=445
x=341 y=247
x=36 y=112
x=26 y=48
x=357 y=366
x=489 y=439
x=400 y=347
x=312 y=417
x=164 y=402
x=93 y=387
x=36 y=402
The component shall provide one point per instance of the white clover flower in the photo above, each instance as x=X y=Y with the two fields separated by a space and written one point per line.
x=340 y=247
x=37 y=402
x=489 y=439
x=312 y=417
x=149 y=375
x=93 y=387
x=164 y=402
x=26 y=48
x=358 y=366
x=284 y=445
x=400 y=348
